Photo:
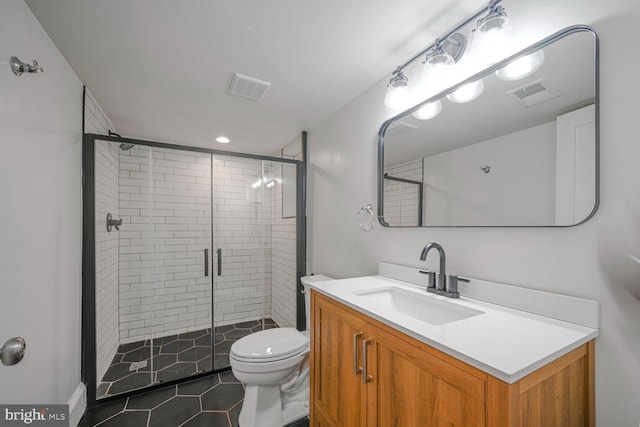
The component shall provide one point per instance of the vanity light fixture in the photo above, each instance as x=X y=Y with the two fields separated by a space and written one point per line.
x=223 y=140
x=439 y=63
x=428 y=111
x=522 y=67
x=492 y=42
x=493 y=38
x=398 y=96
x=467 y=93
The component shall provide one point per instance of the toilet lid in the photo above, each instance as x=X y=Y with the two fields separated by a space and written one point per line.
x=270 y=345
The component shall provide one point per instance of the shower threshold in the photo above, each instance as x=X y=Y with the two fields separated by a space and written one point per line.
x=174 y=357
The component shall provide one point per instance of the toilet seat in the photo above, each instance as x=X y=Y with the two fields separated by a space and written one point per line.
x=270 y=345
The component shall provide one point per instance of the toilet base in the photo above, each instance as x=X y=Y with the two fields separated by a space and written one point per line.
x=295 y=411
x=262 y=407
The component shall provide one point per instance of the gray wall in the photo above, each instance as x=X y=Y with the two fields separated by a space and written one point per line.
x=598 y=260
x=41 y=192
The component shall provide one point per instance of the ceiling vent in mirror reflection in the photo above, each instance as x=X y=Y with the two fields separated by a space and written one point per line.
x=248 y=87
x=532 y=94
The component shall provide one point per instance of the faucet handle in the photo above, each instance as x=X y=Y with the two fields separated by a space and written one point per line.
x=432 y=278
x=453 y=282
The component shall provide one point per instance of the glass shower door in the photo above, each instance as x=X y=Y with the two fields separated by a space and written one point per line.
x=123 y=297
x=200 y=251
x=242 y=242
x=153 y=270
x=182 y=306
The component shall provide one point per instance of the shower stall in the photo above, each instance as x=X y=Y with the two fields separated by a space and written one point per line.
x=186 y=250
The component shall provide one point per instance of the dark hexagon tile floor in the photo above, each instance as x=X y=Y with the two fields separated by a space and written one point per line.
x=174 y=357
x=215 y=400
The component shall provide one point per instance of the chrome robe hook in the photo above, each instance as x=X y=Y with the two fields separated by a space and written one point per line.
x=18 y=67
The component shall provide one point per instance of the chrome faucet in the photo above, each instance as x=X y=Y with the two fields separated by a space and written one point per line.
x=442 y=275
x=440 y=286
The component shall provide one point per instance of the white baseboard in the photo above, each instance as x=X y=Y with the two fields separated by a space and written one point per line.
x=77 y=404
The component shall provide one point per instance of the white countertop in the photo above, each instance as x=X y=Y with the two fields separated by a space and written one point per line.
x=506 y=343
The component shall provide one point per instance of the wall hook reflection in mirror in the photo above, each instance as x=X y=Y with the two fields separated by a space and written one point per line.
x=485 y=169
x=18 y=67
x=366 y=218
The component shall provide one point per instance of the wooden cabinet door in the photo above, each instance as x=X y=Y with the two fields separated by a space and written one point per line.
x=337 y=393
x=411 y=387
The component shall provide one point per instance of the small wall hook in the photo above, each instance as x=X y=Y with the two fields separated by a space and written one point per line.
x=18 y=67
x=485 y=169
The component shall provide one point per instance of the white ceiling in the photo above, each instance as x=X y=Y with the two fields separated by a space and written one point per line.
x=160 y=68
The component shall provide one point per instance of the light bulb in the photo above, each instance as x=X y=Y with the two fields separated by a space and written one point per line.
x=467 y=93
x=436 y=74
x=493 y=40
x=522 y=67
x=428 y=111
x=398 y=96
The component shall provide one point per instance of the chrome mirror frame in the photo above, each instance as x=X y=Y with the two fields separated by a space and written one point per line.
x=486 y=72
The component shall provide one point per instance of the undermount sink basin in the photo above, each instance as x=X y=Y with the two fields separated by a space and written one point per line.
x=422 y=307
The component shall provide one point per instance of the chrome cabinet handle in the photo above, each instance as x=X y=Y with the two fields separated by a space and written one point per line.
x=356 y=369
x=365 y=378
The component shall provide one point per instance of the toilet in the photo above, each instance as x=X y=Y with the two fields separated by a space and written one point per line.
x=273 y=365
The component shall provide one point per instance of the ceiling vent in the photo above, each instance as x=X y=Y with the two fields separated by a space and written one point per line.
x=248 y=87
x=532 y=94
x=400 y=128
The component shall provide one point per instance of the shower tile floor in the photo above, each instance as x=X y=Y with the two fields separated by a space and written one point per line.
x=174 y=357
x=212 y=401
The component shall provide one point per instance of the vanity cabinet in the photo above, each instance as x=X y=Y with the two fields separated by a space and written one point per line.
x=408 y=383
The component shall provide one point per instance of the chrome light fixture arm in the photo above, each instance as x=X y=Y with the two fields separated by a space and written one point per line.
x=490 y=8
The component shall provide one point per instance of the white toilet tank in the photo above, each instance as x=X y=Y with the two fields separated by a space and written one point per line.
x=306 y=281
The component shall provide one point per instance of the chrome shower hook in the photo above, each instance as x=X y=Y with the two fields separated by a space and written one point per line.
x=18 y=67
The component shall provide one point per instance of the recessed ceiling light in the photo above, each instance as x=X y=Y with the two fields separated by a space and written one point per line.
x=223 y=140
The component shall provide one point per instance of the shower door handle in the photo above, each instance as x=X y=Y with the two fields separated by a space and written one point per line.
x=219 y=262
x=206 y=262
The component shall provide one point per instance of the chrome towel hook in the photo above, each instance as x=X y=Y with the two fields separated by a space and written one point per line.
x=18 y=67
x=366 y=218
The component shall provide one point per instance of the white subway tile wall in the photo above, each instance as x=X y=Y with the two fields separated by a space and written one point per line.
x=165 y=205
x=283 y=267
x=106 y=184
x=106 y=275
x=242 y=230
x=401 y=199
x=95 y=119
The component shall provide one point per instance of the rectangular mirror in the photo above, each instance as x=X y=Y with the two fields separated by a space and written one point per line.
x=524 y=153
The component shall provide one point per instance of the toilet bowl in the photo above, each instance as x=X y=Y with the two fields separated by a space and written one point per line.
x=273 y=365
